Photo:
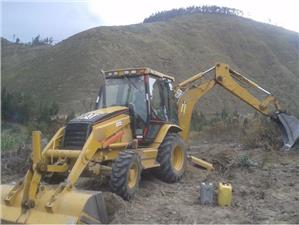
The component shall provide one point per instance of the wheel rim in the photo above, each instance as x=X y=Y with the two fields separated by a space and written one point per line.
x=177 y=158
x=133 y=176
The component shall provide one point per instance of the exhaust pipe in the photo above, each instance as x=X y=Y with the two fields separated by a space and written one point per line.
x=289 y=126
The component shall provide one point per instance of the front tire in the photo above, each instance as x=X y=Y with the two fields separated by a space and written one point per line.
x=125 y=177
x=172 y=158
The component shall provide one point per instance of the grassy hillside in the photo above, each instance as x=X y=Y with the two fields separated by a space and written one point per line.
x=69 y=71
x=18 y=55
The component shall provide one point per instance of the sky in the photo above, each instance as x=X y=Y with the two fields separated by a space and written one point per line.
x=60 y=19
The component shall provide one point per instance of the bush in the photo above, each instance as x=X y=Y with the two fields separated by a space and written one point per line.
x=261 y=132
x=246 y=161
x=12 y=136
x=221 y=120
x=8 y=142
x=21 y=108
x=26 y=110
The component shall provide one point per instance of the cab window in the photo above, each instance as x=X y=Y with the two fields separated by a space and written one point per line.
x=158 y=107
x=172 y=109
x=123 y=91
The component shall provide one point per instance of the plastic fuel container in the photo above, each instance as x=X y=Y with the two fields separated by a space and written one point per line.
x=224 y=194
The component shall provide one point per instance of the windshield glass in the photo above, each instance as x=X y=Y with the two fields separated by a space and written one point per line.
x=122 y=92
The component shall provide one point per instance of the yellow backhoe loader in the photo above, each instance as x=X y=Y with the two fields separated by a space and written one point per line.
x=141 y=121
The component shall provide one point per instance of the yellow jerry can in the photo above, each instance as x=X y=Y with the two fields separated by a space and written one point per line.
x=224 y=194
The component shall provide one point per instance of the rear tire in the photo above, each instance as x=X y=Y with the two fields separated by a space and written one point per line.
x=125 y=177
x=172 y=158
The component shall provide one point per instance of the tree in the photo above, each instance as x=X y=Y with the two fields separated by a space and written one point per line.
x=21 y=108
x=35 y=41
x=70 y=116
x=6 y=104
x=165 y=15
x=47 y=110
x=50 y=41
x=41 y=41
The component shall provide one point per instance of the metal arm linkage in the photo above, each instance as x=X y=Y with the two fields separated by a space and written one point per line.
x=192 y=89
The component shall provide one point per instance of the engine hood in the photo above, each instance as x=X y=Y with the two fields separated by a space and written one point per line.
x=78 y=129
x=96 y=116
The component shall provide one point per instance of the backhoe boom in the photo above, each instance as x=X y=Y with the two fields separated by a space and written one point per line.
x=191 y=90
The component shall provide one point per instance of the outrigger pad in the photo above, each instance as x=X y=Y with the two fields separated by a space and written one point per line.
x=290 y=129
x=95 y=211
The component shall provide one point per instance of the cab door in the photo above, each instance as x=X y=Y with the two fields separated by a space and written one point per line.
x=163 y=107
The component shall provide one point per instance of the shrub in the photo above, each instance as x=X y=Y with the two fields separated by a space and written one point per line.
x=245 y=161
x=21 y=108
x=261 y=132
x=12 y=136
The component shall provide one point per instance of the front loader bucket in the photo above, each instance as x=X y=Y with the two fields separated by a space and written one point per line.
x=290 y=129
x=71 y=207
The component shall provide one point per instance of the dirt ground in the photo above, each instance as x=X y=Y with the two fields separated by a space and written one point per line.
x=265 y=189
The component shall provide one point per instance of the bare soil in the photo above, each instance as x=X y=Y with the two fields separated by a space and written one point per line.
x=265 y=189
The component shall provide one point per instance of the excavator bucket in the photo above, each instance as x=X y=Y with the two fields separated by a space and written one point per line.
x=71 y=207
x=289 y=126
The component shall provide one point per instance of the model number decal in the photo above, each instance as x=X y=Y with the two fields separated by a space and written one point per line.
x=87 y=116
x=119 y=123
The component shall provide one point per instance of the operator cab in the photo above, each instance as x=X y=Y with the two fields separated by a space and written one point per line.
x=148 y=94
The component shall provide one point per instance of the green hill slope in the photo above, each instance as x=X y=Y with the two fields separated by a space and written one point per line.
x=69 y=71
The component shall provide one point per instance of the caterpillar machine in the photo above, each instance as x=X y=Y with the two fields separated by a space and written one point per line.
x=141 y=121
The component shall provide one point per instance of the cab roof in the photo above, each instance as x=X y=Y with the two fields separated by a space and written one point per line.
x=136 y=72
